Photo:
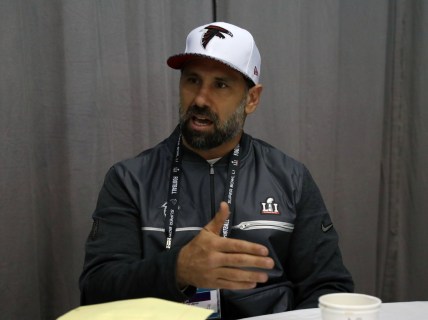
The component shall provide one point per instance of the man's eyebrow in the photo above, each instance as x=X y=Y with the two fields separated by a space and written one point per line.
x=188 y=72
x=224 y=79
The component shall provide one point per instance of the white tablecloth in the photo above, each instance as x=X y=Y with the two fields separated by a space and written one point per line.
x=417 y=310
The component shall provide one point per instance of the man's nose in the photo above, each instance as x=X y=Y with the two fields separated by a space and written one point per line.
x=202 y=97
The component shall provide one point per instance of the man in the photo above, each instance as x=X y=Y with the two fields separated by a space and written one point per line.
x=212 y=214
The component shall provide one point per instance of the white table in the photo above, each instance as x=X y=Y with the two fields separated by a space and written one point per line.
x=416 y=310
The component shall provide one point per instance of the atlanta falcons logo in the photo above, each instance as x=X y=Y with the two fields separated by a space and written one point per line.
x=214 y=31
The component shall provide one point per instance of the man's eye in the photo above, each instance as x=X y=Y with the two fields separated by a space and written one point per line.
x=192 y=80
x=221 y=85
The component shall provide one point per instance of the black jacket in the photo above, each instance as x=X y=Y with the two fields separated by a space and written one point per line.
x=277 y=204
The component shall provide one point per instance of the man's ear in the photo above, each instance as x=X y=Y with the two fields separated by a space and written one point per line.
x=253 y=98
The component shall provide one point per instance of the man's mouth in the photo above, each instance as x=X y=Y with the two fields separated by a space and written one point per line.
x=201 y=121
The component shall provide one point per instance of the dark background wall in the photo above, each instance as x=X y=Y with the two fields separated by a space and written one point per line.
x=84 y=84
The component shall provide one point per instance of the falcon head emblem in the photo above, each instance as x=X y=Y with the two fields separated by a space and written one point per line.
x=214 y=31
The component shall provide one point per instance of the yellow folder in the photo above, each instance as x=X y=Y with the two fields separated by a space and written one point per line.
x=138 y=309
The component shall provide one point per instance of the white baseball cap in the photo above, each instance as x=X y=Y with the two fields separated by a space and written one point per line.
x=223 y=42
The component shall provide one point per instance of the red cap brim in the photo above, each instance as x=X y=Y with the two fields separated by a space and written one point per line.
x=179 y=60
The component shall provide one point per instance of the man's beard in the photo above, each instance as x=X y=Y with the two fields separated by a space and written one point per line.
x=223 y=132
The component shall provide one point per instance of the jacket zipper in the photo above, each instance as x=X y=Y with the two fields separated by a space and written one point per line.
x=265 y=224
x=212 y=192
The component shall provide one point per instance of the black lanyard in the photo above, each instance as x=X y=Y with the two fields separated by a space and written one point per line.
x=174 y=189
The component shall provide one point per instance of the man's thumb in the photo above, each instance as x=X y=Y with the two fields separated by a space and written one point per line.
x=216 y=224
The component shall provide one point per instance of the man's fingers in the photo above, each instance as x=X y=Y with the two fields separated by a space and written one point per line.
x=239 y=275
x=216 y=224
x=230 y=245
x=211 y=261
x=231 y=278
x=240 y=260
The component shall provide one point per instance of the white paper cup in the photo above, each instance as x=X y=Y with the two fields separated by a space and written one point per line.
x=349 y=306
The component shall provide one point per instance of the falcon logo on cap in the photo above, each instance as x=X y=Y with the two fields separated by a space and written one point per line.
x=213 y=31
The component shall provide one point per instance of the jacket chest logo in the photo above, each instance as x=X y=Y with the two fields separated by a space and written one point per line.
x=269 y=207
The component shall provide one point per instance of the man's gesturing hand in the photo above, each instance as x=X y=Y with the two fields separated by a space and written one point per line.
x=211 y=261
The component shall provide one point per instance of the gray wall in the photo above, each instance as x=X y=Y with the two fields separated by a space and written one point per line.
x=84 y=84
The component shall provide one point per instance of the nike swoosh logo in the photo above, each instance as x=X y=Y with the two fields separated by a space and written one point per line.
x=326 y=228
